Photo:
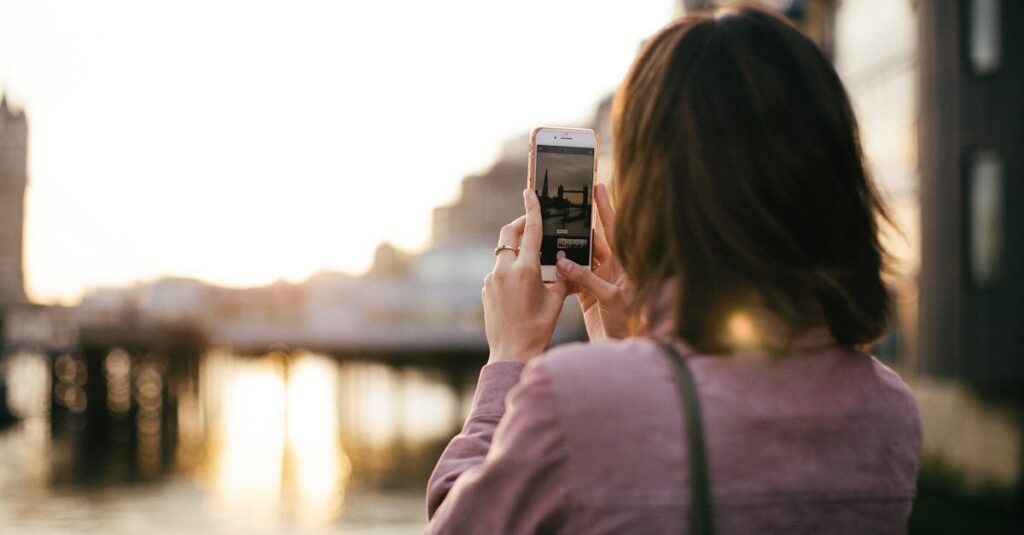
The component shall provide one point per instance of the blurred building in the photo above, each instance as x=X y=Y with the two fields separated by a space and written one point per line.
x=816 y=18
x=972 y=173
x=13 y=179
x=465 y=232
x=173 y=299
x=22 y=325
x=972 y=238
x=486 y=201
x=107 y=306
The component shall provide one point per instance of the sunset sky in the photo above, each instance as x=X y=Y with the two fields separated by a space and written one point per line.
x=238 y=141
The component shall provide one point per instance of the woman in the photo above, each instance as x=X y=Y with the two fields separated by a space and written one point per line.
x=746 y=237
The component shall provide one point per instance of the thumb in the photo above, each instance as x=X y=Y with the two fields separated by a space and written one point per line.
x=586 y=279
x=559 y=290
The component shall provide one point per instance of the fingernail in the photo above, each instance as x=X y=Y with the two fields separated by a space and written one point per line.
x=565 y=265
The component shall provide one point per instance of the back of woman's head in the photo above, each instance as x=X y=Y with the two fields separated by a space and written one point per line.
x=739 y=174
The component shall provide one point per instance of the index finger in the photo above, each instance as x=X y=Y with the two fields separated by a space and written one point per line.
x=529 y=244
x=605 y=212
x=602 y=252
x=509 y=236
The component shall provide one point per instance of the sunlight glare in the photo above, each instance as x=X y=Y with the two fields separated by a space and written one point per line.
x=741 y=329
x=321 y=466
x=249 y=463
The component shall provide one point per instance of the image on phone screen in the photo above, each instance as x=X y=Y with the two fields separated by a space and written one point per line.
x=565 y=177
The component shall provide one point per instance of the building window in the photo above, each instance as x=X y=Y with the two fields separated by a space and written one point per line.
x=984 y=218
x=982 y=38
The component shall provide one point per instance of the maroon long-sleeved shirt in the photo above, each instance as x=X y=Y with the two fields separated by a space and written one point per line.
x=590 y=440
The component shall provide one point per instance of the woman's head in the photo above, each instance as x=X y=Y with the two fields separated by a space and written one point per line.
x=739 y=173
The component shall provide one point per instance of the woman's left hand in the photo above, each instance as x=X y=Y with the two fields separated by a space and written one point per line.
x=520 y=310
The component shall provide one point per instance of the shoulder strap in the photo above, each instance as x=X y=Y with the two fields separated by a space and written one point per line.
x=700 y=493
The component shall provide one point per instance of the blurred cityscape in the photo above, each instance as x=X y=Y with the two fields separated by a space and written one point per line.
x=174 y=404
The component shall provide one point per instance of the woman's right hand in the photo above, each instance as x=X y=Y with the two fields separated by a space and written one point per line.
x=603 y=292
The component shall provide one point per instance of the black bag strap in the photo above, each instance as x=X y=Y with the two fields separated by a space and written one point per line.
x=700 y=493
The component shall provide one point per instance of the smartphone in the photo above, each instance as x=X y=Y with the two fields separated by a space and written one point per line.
x=562 y=170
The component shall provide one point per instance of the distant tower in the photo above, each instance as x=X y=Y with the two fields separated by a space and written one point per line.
x=544 y=191
x=13 y=157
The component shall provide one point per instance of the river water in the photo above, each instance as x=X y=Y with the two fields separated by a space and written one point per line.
x=279 y=443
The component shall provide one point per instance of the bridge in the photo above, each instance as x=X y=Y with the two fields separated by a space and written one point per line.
x=400 y=322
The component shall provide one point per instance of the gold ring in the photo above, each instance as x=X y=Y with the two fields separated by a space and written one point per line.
x=501 y=248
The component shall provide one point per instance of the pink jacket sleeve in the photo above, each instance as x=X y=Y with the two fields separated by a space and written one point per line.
x=504 y=473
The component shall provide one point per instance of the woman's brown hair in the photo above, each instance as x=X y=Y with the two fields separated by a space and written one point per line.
x=739 y=174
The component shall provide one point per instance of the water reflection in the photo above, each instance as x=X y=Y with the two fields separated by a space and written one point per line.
x=277 y=432
x=117 y=368
x=321 y=467
x=70 y=375
x=28 y=382
x=279 y=443
x=149 y=395
x=249 y=443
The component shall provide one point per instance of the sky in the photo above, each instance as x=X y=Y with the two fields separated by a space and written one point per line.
x=242 y=142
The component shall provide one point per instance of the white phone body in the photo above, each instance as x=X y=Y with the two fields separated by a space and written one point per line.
x=568 y=157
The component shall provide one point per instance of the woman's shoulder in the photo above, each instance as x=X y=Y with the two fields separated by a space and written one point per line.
x=592 y=377
x=845 y=386
x=614 y=403
x=586 y=361
x=893 y=392
x=869 y=381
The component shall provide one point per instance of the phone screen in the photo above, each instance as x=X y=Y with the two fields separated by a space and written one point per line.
x=564 y=179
